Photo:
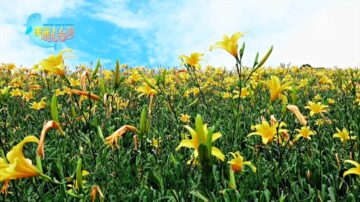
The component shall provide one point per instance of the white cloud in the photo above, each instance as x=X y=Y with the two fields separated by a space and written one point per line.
x=15 y=46
x=329 y=38
x=322 y=33
x=16 y=49
x=115 y=11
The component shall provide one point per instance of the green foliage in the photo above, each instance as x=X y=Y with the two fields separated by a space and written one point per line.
x=308 y=170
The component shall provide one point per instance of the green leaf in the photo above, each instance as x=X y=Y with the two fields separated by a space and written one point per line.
x=100 y=133
x=117 y=75
x=5 y=93
x=282 y=198
x=256 y=59
x=157 y=78
x=143 y=121
x=199 y=128
x=294 y=97
x=147 y=127
x=242 y=50
x=232 y=182
x=204 y=157
x=54 y=110
x=199 y=195
x=79 y=177
x=73 y=111
x=209 y=139
x=163 y=76
x=38 y=163
x=350 y=197
x=194 y=102
x=98 y=65
x=332 y=194
x=148 y=82
x=263 y=60
x=159 y=179
x=267 y=194
x=102 y=86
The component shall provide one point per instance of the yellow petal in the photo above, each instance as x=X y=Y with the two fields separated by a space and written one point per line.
x=232 y=161
x=233 y=154
x=265 y=140
x=19 y=166
x=192 y=132
x=355 y=171
x=185 y=143
x=235 y=37
x=217 y=153
x=16 y=151
x=352 y=162
x=254 y=133
x=336 y=135
x=7 y=171
x=85 y=172
x=216 y=136
x=253 y=168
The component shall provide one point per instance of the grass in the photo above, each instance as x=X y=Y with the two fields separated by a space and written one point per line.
x=146 y=167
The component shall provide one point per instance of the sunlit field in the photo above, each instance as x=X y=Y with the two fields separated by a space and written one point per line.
x=190 y=133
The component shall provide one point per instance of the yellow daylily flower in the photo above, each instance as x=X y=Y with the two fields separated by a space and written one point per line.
x=121 y=103
x=196 y=139
x=238 y=162
x=331 y=101
x=35 y=87
x=107 y=74
x=355 y=170
x=303 y=83
x=343 y=135
x=16 y=93
x=230 y=44
x=74 y=82
x=316 y=108
x=54 y=64
x=304 y=132
x=135 y=76
x=28 y=96
x=276 y=88
x=155 y=143
x=243 y=94
x=9 y=67
x=58 y=92
x=226 y=95
x=325 y=80
x=146 y=89
x=39 y=105
x=17 y=166
x=268 y=132
x=195 y=91
x=317 y=97
x=67 y=90
x=185 y=118
x=192 y=60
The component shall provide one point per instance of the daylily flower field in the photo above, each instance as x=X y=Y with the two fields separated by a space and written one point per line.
x=190 y=133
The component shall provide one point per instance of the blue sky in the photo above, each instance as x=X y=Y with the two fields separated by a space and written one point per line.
x=154 y=33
